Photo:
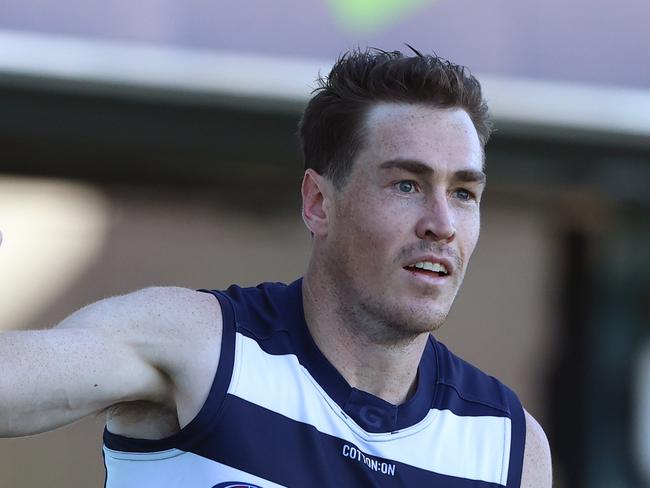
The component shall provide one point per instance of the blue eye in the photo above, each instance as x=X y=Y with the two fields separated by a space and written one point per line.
x=406 y=186
x=464 y=195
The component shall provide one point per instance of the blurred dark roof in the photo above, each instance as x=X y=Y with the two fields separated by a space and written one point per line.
x=167 y=116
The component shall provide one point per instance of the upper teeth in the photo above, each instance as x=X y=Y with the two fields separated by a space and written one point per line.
x=435 y=267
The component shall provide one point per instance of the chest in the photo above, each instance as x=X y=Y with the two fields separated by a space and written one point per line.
x=279 y=422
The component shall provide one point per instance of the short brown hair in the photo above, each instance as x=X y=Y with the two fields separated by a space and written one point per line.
x=330 y=130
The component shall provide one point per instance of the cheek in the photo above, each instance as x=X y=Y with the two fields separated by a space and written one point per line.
x=373 y=225
x=470 y=230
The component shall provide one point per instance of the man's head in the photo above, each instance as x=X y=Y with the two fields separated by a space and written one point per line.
x=395 y=224
x=332 y=128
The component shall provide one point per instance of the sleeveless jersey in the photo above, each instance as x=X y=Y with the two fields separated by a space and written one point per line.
x=279 y=414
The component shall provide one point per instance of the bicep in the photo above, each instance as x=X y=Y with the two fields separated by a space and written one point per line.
x=53 y=377
x=537 y=469
x=133 y=347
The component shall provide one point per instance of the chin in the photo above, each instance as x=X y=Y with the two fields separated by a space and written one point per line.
x=390 y=318
x=425 y=313
x=425 y=321
x=405 y=324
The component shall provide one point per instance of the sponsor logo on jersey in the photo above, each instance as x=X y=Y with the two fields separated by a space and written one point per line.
x=235 y=484
x=374 y=464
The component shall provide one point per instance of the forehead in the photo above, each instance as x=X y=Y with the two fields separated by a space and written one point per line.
x=442 y=138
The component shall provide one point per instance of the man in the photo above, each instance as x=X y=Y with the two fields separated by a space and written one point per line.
x=335 y=379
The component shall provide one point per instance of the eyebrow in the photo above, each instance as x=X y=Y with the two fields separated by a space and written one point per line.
x=420 y=168
x=470 y=176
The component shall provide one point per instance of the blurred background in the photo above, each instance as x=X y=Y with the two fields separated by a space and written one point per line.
x=153 y=143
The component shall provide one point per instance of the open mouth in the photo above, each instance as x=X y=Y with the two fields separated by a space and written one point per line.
x=426 y=267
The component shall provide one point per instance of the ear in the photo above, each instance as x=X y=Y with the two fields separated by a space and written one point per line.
x=316 y=191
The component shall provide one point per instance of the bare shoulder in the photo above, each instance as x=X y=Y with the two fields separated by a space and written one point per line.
x=175 y=302
x=169 y=311
x=537 y=472
x=196 y=316
x=155 y=313
x=165 y=326
x=190 y=326
x=178 y=332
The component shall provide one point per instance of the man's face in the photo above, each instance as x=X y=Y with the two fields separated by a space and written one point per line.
x=406 y=221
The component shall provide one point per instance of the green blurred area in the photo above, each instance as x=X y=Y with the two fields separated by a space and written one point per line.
x=365 y=16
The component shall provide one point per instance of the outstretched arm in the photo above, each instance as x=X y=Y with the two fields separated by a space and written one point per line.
x=121 y=349
x=537 y=472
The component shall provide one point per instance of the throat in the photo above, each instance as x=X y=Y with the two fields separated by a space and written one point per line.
x=373 y=356
x=395 y=388
x=386 y=371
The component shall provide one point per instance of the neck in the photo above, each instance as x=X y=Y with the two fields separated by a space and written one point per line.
x=369 y=357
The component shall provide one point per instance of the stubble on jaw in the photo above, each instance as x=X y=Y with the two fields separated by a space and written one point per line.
x=374 y=320
x=381 y=319
x=378 y=317
x=399 y=332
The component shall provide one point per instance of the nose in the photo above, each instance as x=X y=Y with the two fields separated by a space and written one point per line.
x=436 y=222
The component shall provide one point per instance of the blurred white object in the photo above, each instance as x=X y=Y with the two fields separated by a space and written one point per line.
x=53 y=230
x=285 y=82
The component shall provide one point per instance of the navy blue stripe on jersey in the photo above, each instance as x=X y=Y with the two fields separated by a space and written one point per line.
x=450 y=398
x=206 y=417
x=257 y=440
x=471 y=384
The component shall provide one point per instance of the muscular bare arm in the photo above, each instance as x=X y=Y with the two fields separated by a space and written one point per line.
x=537 y=472
x=147 y=345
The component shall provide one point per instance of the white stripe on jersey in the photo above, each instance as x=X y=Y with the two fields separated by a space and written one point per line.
x=180 y=469
x=280 y=384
